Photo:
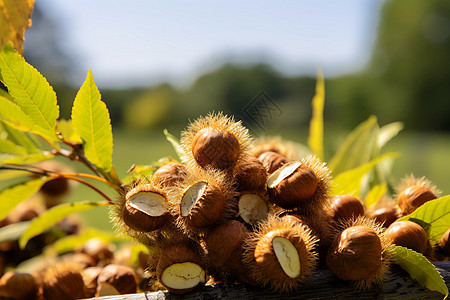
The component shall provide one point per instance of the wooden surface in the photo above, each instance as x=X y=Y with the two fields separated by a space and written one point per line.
x=323 y=285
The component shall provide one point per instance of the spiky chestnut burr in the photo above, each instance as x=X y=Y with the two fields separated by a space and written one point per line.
x=359 y=253
x=215 y=141
x=224 y=245
x=180 y=264
x=141 y=208
x=413 y=192
x=279 y=254
x=203 y=199
x=301 y=185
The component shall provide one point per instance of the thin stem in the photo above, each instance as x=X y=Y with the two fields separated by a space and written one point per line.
x=92 y=187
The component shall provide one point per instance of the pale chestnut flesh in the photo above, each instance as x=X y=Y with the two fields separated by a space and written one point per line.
x=191 y=196
x=252 y=208
x=287 y=256
x=182 y=276
x=152 y=204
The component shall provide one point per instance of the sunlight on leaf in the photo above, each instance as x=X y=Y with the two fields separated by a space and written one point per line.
x=50 y=217
x=387 y=132
x=375 y=194
x=30 y=91
x=65 y=128
x=14 y=21
x=72 y=242
x=91 y=121
x=13 y=195
x=349 y=182
x=433 y=216
x=175 y=143
x=419 y=268
x=315 y=138
x=358 y=148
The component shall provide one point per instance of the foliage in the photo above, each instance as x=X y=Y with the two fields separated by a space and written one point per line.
x=33 y=132
x=14 y=20
x=419 y=268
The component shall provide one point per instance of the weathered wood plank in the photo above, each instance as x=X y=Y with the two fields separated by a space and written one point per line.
x=323 y=285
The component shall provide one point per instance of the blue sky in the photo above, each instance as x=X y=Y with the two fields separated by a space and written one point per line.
x=140 y=42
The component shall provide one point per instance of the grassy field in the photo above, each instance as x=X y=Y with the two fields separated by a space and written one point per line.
x=421 y=154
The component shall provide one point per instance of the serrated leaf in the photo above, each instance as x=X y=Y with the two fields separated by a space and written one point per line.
x=375 y=194
x=419 y=268
x=8 y=158
x=50 y=217
x=91 y=121
x=65 y=128
x=358 y=148
x=433 y=216
x=13 y=195
x=349 y=182
x=23 y=139
x=12 y=232
x=7 y=146
x=175 y=143
x=72 y=242
x=12 y=115
x=387 y=132
x=315 y=138
x=30 y=91
x=14 y=21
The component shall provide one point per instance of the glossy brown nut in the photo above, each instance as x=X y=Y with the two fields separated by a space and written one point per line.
x=169 y=174
x=355 y=253
x=444 y=243
x=413 y=197
x=214 y=148
x=346 y=207
x=408 y=234
x=385 y=216
x=122 y=278
x=251 y=175
x=272 y=160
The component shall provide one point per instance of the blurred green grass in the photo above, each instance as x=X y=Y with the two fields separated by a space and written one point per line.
x=420 y=154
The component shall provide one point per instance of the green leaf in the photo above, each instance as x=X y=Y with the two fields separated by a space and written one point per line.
x=30 y=91
x=7 y=146
x=349 y=182
x=52 y=216
x=65 y=128
x=91 y=121
x=315 y=138
x=12 y=115
x=419 y=268
x=433 y=216
x=387 y=132
x=175 y=143
x=17 y=193
x=12 y=232
x=358 y=148
x=8 y=158
x=23 y=139
x=72 y=242
x=375 y=194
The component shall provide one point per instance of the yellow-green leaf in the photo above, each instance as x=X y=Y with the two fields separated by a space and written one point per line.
x=387 y=132
x=315 y=138
x=12 y=115
x=65 y=128
x=8 y=158
x=349 y=182
x=50 y=217
x=358 y=148
x=24 y=139
x=175 y=143
x=72 y=242
x=433 y=216
x=12 y=232
x=419 y=268
x=14 y=21
x=30 y=91
x=17 y=193
x=375 y=194
x=91 y=121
